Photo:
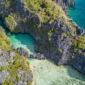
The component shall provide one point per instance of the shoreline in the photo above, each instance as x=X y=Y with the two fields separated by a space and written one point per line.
x=48 y=73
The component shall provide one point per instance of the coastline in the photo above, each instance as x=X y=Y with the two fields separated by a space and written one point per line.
x=47 y=73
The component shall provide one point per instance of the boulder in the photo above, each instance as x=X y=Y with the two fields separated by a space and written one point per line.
x=22 y=52
x=38 y=56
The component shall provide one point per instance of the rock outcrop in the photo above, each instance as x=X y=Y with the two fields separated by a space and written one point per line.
x=14 y=69
x=22 y=52
x=38 y=56
x=65 y=3
x=25 y=53
x=10 y=71
x=79 y=62
x=56 y=35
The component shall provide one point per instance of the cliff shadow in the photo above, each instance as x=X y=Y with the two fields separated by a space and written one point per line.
x=75 y=74
x=25 y=41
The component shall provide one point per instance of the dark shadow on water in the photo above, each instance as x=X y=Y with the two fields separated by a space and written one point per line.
x=24 y=39
x=3 y=26
x=75 y=74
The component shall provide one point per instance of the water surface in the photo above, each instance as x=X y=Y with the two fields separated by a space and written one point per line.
x=20 y=40
x=46 y=73
x=77 y=13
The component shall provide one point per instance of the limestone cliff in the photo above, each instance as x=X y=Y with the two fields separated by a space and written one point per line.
x=14 y=68
x=57 y=37
x=65 y=3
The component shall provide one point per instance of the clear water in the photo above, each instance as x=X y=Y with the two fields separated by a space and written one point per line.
x=46 y=73
x=20 y=40
x=77 y=13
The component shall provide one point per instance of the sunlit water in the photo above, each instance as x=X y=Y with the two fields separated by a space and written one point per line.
x=77 y=13
x=22 y=40
x=45 y=72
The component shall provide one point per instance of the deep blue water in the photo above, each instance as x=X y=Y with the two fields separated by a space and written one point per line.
x=77 y=13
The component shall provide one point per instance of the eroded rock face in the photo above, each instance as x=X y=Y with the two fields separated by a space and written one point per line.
x=22 y=52
x=53 y=39
x=24 y=77
x=79 y=62
x=7 y=61
x=4 y=74
x=65 y=3
x=38 y=56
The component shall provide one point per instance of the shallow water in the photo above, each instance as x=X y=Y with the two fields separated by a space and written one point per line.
x=20 y=40
x=77 y=13
x=46 y=73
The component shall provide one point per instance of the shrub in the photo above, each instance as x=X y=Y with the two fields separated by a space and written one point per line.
x=10 y=22
x=79 y=42
x=60 y=50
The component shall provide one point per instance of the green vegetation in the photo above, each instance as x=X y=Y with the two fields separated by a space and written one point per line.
x=67 y=34
x=10 y=22
x=79 y=42
x=19 y=63
x=46 y=10
x=60 y=50
x=4 y=42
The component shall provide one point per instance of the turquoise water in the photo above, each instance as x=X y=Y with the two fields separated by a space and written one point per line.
x=77 y=13
x=45 y=72
x=20 y=40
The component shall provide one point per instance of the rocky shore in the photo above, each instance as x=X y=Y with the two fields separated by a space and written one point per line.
x=65 y=3
x=8 y=65
x=25 y=53
x=57 y=37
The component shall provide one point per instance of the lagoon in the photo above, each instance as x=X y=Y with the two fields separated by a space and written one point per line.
x=44 y=71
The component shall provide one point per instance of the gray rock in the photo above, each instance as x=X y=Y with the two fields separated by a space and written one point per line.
x=79 y=62
x=3 y=61
x=65 y=3
x=11 y=55
x=0 y=51
x=38 y=56
x=24 y=76
x=4 y=74
x=22 y=52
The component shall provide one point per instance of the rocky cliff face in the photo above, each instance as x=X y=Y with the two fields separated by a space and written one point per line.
x=57 y=37
x=14 y=69
x=65 y=3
